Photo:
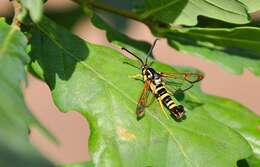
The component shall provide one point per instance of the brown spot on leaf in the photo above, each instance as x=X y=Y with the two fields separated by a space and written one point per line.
x=124 y=134
x=258 y=127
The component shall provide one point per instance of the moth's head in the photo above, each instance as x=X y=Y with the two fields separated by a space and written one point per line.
x=144 y=68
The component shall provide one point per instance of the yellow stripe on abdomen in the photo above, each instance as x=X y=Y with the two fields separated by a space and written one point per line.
x=159 y=88
x=169 y=103
x=163 y=96
x=172 y=105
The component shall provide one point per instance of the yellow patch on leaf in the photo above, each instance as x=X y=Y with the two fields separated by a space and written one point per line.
x=124 y=134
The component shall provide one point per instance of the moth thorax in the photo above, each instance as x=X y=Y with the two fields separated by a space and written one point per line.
x=149 y=74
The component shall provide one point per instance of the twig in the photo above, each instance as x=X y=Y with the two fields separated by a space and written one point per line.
x=109 y=8
x=17 y=10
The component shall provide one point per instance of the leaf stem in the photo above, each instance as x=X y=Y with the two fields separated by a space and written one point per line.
x=17 y=10
x=109 y=8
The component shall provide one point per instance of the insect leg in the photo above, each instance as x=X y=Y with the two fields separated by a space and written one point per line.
x=162 y=107
x=183 y=90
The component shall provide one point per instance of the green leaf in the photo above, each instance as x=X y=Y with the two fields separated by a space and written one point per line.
x=93 y=80
x=73 y=16
x=35 y=8
x=15 y=149
x=235 y=49
x=252 y=5
x=254 y=161
x=234 y=115
x=238 y=118
x=119 y=39
x=83 y=164
x=186 y=11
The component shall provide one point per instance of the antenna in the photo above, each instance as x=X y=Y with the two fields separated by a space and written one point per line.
x=133 y=55
x=151 y=49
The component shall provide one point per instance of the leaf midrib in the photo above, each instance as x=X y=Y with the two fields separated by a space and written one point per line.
x=152 y=11
x=249 y=42
x=212 y=4
x=7 y=41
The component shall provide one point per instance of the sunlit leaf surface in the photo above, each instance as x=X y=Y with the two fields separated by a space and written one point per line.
x=34 y=7
x=235 y=49
x=93 y=80
x=186 y=11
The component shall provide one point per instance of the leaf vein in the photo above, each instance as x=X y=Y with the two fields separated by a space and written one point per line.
x=7 y=40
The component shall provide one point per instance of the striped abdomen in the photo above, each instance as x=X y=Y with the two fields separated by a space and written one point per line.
x=164 y=96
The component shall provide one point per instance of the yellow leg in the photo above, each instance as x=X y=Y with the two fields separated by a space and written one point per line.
x=136 y=76
x=163 y=109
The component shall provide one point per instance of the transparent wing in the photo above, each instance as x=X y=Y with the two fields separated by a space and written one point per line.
x=143 y=100
x=180 y=81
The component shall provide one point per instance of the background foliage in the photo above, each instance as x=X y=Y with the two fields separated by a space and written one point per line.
x=84 y=77
x=14 y=114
